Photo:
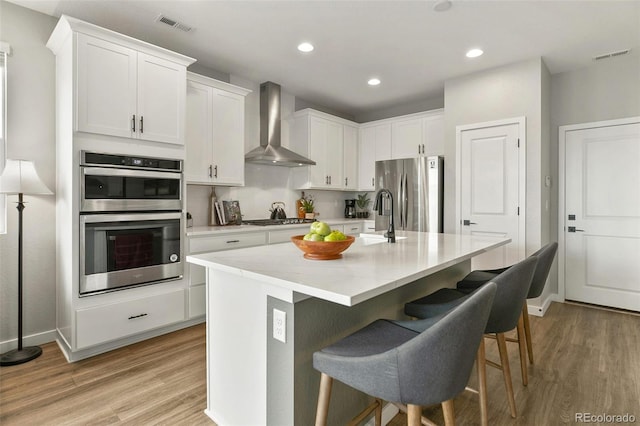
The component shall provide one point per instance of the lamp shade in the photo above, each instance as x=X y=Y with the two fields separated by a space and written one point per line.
x=20 y=177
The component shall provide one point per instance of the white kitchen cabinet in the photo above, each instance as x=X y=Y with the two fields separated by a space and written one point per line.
x=215 y=132
x=352 y=228
x=375 y=145
x=114 y=321
x=350 y=158
x=103 y=80
x=418 y=135
x=321 y=137
x=121 y=91
x=209 y=243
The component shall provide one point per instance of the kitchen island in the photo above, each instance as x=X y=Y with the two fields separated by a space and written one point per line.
x=254 y=378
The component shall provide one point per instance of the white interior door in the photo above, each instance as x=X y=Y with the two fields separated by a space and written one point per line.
x=602 y=216
x=491 y=174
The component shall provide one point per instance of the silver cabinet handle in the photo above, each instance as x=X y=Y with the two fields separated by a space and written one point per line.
x=346 y=181
x=215 y=172
x=233 y=241
x=133 y=123
x=141 y=124
x=373 y=181
x=210 y=170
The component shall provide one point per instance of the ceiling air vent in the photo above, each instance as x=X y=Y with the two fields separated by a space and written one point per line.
x=611 y=55
x=174 y=24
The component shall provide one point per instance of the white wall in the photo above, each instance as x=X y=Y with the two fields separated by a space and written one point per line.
x=30 y=135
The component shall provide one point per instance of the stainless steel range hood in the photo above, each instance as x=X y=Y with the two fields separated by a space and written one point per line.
x=270 y=152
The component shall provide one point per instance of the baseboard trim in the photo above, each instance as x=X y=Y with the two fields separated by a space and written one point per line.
x=73 y=356
x=540 y=310
x=30 y=340
x=389 y=411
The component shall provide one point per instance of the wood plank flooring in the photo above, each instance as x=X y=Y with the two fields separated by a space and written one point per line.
x=587 y=360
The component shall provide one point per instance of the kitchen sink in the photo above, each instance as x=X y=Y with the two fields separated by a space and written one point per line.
x=369 y=239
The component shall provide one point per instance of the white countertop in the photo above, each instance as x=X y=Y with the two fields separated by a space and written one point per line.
x=363 y=272
x=229 y=229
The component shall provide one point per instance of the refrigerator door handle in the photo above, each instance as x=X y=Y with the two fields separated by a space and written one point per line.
x=406 y=202
x=400 y=202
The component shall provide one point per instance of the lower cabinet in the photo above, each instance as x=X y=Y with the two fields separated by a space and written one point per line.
x=114 y=321
x=208 y=243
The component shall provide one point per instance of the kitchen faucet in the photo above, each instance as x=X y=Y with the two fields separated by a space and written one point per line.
x=391 y=232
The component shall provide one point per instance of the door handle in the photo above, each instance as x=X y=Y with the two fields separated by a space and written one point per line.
x=574 y=229
x=467 y=222
x=405 y=199
x=141 y=124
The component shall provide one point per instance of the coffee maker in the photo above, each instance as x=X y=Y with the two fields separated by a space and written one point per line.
x=350 y=208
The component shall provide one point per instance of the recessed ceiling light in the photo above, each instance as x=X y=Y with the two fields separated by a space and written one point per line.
x=474 y=53
x=373 y=81
x=441 y=5
x=305 y=47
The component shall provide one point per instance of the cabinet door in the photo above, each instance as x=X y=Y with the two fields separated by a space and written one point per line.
x=383 y=142
x=350 y=157
x=334 y=155
x=434 y=135
x=406 y=139
x=198 y=167
x=106 y=87
x=367 y=159
x=318 y=135
x=161 y=99
x=228 y=138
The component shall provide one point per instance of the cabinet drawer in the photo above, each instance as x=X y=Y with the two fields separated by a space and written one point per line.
x=353 y=229
x=226 y=242
x=284 y=235
x=114 y=321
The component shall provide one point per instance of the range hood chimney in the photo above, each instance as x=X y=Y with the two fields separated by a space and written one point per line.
x=270 y=152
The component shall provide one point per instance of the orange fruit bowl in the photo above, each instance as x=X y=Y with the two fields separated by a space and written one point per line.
x=322 y=250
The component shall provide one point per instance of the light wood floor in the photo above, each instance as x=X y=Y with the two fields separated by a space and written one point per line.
x=587 y=360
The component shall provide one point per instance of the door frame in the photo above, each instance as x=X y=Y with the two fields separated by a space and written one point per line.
x=562 y=144
x=522 y=173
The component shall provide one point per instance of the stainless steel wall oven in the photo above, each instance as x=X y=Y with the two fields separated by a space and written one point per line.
x=130 y=221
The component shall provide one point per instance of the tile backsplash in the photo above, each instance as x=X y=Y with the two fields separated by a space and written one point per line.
x=263 y=186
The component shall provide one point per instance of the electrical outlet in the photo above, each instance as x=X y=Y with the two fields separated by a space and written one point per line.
x=280 y=325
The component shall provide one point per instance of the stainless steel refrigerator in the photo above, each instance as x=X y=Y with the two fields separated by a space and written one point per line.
x=418 y=193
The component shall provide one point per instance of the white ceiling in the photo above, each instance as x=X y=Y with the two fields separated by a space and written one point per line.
x=408 y=45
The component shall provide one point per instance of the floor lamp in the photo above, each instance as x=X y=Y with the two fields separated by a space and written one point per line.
x=20 y=177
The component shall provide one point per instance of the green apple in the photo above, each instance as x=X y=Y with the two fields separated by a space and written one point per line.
x=313 y=237
x=320 y=228
x=335 y=236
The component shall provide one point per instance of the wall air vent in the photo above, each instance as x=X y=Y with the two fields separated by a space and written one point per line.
x=172 y=23
x=611 y=55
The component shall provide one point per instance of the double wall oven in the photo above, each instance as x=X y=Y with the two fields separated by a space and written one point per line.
x=130 y=221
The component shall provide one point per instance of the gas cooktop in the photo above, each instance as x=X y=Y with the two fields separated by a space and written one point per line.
x=266 y=222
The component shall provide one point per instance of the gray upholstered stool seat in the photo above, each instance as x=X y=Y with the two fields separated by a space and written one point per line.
x=545 y=257
x=512 y=287
x=416 y=363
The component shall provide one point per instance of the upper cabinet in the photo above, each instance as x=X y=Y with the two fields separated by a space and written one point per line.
x=215 y=132
x=375 y=145
x=332 y=143
x=123 y=87
x=418 y=135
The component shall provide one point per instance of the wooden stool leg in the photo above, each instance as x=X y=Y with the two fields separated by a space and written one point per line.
x=449 y=413
x=323 y=399
x=527 y=331
x=506 y=372
x=481 y=367
x=378 y=415
x=414 y=415
x=523 y=351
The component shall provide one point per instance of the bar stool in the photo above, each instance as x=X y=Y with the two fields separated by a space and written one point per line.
x=545 y=258
x=412 y=363
x=511 y=289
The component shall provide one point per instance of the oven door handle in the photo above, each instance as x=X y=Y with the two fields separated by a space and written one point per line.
x=99 y=171
x=97 y=218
